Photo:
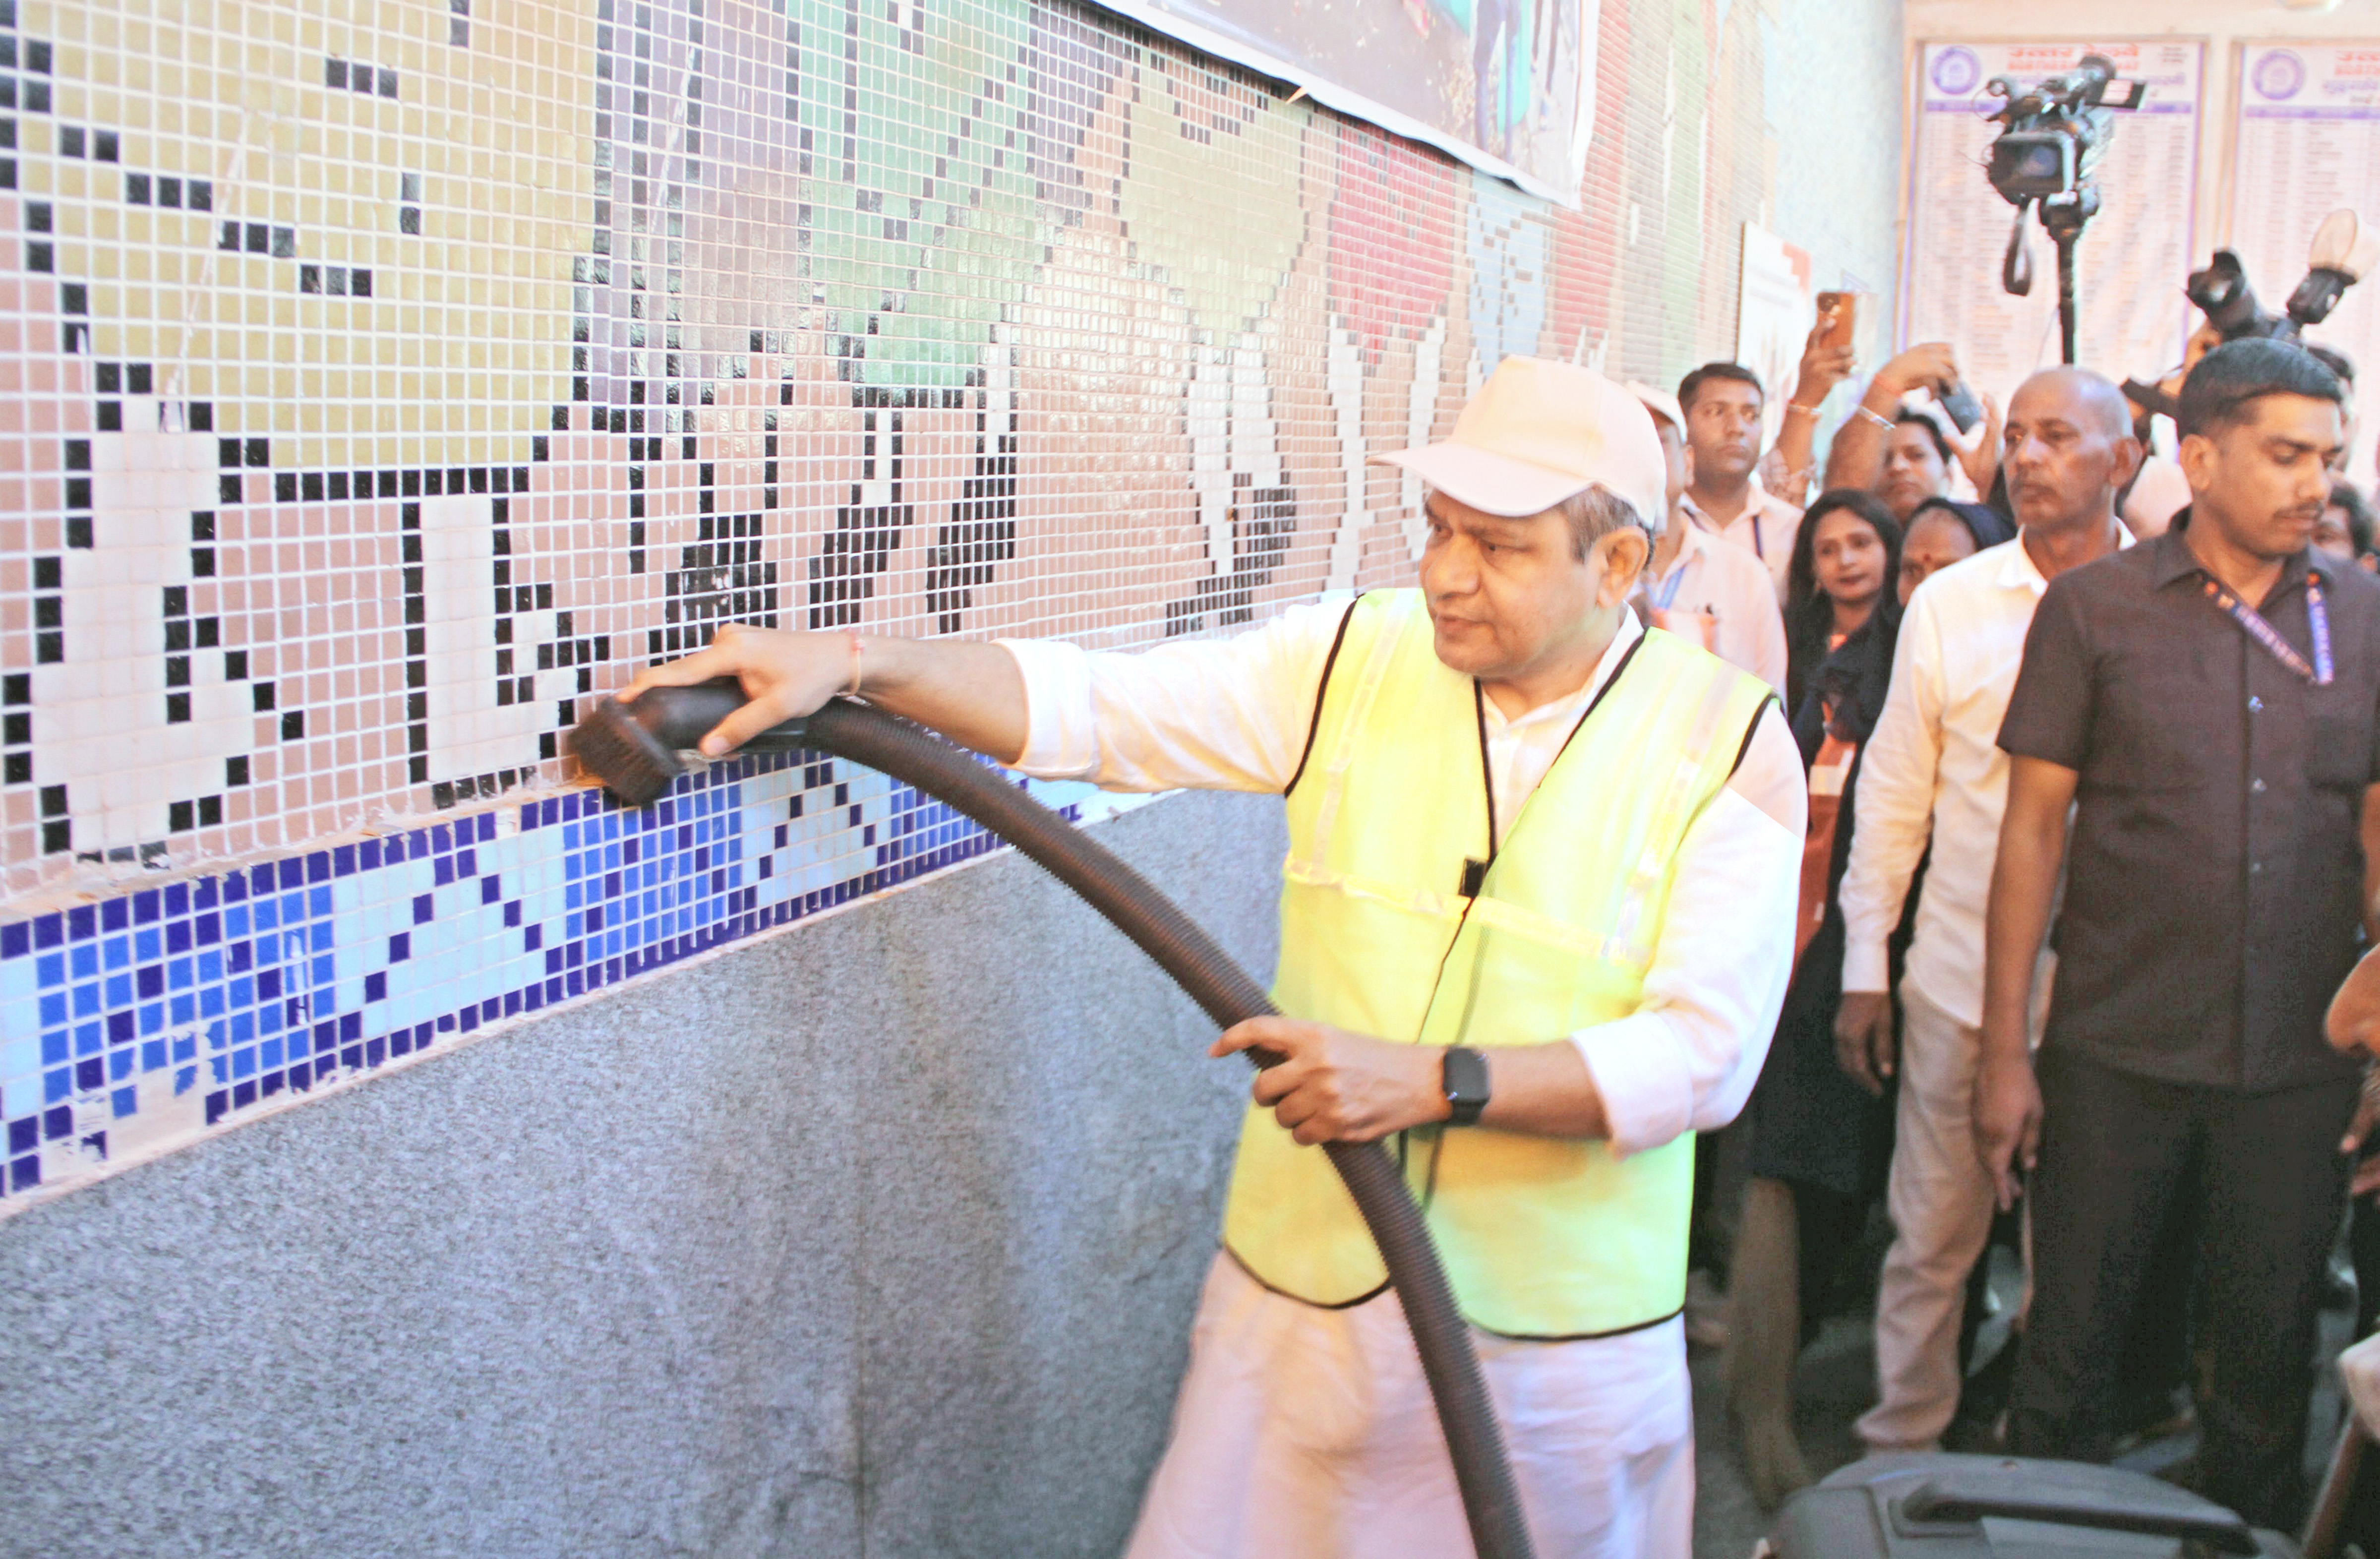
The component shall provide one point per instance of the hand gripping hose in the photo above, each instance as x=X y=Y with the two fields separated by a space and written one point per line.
x=633 y=749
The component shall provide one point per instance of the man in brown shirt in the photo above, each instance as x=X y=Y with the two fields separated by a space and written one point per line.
x=2208 y=703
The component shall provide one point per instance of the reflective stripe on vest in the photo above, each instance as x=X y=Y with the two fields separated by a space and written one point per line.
x=1542 y=1237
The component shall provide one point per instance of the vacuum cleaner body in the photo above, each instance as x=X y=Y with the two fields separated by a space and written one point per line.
x=1914 y=1506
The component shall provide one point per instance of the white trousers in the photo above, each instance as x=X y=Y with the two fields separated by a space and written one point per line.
x=1308 y=1433
x=1941 y=1201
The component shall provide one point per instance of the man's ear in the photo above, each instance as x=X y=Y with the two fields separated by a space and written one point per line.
x=1622 y=554
x=2129 y=453
x=2198 y=458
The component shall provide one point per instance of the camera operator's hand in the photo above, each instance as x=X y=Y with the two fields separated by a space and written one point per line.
x=1856 y=458
x=1929 y=366
x=1979 y=447
x=1822 y=367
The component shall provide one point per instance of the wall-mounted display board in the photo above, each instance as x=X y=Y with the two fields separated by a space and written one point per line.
x=2307 y=142
x=2134 y=255
x=1506 y=85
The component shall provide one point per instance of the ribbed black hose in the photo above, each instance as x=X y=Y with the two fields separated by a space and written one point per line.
x=1491 y=1500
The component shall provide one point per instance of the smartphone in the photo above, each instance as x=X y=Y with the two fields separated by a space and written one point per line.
x=1840 y=313
x=1959 y=403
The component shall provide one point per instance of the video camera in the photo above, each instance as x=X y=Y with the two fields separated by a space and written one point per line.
x=2055 y=134
x=2344 y=252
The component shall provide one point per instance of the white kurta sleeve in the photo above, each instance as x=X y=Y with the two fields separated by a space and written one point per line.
x=1771 y=658
x=1210 y=714
x=1898 y=774
x=1687 y=1057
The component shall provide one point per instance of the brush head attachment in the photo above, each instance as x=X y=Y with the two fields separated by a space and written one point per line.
x=633 y=748
x=613 y=746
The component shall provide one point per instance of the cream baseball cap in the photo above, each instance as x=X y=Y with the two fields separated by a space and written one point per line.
x=1537 y=433
x=1660 y=403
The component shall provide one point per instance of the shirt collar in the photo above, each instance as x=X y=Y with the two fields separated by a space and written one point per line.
x=1570 y=706
x=2018 y=571
x=2172 y=559
x=2169 y=557
x=1756 y=505
x=1696 y=538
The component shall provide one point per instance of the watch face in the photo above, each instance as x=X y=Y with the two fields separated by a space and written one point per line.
x=1464 y=1077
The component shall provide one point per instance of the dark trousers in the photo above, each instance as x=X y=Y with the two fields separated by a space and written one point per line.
x=2117 y=1150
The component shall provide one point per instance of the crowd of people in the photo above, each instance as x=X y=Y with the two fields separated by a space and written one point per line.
x=1564 y=895
x=2087 y=734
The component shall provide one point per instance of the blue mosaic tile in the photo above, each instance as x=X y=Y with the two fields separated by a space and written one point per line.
x=154 y=1018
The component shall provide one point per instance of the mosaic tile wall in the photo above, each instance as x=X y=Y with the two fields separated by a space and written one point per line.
x=380 y=380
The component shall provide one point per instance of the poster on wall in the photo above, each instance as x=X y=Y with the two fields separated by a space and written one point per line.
x=2307 y=142
x=1506 y=85
x=2133 y=257
x=1774 y=312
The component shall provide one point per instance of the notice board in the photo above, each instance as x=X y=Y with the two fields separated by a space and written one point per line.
x=2133 y=257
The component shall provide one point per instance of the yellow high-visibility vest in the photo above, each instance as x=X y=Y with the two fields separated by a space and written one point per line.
x=1398 y=919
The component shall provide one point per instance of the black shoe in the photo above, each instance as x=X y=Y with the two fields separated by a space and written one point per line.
x=2145 y=1418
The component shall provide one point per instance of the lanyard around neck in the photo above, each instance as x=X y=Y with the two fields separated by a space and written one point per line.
x=1666 y=591
x=2252 y=623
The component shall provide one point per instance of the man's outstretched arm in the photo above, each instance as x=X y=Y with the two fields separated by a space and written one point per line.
x=972 y=693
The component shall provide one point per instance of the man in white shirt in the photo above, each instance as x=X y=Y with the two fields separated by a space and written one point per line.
x=1503 y=777
x=1722 y=405
x=1698 y=587
x=1933 y=770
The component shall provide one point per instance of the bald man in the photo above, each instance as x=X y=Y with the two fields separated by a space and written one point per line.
x=1933 y=771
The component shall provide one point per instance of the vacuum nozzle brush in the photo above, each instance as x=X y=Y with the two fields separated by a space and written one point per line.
x=633 y=748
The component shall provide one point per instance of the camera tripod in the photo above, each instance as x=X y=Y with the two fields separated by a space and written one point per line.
x=2064 y=215
x=2055 y=134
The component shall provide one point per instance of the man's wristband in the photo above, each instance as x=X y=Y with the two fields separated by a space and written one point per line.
x=1881 y=422
x=1463 y=1076
x=1804 y=410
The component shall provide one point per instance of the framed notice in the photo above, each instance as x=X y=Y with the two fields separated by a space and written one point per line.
x=2133 y=257
x=2306 y=144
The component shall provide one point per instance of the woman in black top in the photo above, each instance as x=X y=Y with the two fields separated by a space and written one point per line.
x=1820 y=1142
x=1845 y=554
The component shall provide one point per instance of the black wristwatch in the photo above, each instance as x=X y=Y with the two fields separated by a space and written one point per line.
x=1463 y=1075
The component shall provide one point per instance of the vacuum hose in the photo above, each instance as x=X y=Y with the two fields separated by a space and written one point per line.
x=633 y=748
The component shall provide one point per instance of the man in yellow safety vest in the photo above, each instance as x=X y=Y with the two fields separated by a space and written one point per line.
x=1537 y=921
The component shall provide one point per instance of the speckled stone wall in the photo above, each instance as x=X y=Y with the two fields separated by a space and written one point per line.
x=871 y=1238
